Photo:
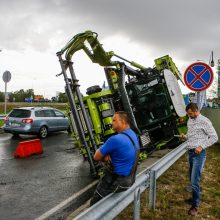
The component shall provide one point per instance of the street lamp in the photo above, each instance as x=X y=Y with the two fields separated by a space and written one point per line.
x=211 y=61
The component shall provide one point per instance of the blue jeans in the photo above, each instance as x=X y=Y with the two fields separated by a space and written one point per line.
x=196 y=164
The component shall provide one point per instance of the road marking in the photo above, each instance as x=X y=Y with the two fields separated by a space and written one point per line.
x=65 y=202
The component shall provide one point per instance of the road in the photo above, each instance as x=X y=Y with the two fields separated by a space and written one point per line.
x=31 y=186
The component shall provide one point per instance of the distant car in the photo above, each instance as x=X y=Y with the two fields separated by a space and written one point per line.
x=35 y=120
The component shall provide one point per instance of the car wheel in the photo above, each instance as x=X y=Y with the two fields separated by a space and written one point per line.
x=43 y=132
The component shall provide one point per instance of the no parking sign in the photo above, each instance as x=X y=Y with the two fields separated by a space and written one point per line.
x=198 y=76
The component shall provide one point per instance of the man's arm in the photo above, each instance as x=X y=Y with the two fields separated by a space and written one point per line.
x=98 y=155
x=212 y=135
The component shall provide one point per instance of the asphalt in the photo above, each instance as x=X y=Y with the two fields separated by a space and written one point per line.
x=53 y=185
x=31 y=186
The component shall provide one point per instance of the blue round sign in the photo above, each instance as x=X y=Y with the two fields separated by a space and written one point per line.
x=198 y=76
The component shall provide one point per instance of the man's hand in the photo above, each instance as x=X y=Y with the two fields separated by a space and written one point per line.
x=182 y=137
x=107 y=158
x=198 y=150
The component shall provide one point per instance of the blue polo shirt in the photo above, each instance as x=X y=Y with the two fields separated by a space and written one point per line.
x=121 y=151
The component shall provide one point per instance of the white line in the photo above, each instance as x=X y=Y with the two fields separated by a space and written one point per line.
x=65 y=202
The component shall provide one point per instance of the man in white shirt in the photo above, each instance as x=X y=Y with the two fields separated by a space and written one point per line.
x=200 y=135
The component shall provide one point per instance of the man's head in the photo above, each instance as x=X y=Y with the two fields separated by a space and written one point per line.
x=120 y=121
x=192 y=110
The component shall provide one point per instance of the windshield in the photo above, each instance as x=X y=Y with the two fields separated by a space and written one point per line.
x=20 y=113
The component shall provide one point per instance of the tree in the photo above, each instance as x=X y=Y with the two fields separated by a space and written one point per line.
x=2 y=96
x=62 y=97
x=19 y=96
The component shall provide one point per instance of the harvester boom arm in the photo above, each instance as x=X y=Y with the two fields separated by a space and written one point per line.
x=97 y=54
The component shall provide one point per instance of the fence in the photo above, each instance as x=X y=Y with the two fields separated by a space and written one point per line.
x=113 y=204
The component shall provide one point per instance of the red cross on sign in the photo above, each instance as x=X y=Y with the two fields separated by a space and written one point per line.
x=198 y=76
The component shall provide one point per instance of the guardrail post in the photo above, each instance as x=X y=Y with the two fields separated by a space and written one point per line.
x=152 y=191
x=137 y=204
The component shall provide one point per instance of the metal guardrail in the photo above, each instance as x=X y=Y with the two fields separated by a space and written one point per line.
x=2 y=117
x=160 y=167
x=110 y=206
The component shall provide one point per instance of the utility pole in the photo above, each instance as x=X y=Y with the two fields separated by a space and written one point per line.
x=218 y=69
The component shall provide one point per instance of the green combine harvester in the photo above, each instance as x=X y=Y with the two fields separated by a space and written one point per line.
x=151 y=96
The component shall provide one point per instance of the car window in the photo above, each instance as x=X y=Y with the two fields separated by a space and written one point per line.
x=20 y=113
x=39 y=113
x=58 y=113
x=49 y=113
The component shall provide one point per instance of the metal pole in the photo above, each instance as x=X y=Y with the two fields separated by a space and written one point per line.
x=76 y=115
x=152 y=191
x=5 y=96
x=137 y=204
x=72 y=73
x=199 y=100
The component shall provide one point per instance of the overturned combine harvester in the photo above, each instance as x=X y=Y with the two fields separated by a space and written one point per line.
x=151 y=96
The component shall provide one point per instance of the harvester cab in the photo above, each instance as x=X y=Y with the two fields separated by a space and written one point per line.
x=151 y=96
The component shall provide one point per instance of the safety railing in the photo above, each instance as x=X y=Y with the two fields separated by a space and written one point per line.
x=115 y=203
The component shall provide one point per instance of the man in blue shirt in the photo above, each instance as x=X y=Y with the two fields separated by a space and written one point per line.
x=123 y=152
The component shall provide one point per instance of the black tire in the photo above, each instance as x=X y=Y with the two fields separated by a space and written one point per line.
x=93 y=89
x=43 y=132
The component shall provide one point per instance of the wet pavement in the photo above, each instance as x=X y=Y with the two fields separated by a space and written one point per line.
x=31 y=186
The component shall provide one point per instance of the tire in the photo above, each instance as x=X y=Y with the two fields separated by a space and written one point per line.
x=43 y=132
x=93 y=89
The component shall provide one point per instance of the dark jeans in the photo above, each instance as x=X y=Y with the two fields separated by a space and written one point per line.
x=110 y=183
x=196 y=164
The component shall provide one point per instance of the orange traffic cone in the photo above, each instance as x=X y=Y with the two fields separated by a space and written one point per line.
x=27 y=148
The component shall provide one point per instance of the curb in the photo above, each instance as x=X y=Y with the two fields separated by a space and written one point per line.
x=62 y=210
x=1 y=131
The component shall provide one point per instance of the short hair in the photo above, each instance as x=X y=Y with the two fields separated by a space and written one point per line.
x=124 y=116
x=192 y=106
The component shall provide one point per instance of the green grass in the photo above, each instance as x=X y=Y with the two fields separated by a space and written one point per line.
x=1 y=123
x=171 y=194
x=214 y=191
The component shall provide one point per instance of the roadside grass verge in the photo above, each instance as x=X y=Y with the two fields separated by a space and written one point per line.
x=171 y=193
x=1 y=123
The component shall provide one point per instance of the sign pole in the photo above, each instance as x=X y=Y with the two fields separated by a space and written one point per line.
x=199 y=100
x=5 y=96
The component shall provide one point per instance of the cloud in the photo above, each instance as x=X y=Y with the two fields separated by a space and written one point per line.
x=187 y=30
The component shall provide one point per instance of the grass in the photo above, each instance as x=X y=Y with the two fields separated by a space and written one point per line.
x=1 y=123
x=171 y=194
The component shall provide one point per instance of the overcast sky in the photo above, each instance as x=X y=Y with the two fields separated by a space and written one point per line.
x=31 y=32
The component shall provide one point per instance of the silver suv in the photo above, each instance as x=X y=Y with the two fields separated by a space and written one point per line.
x=35 y=120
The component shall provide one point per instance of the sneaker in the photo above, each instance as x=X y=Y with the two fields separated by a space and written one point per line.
x=192 y=211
